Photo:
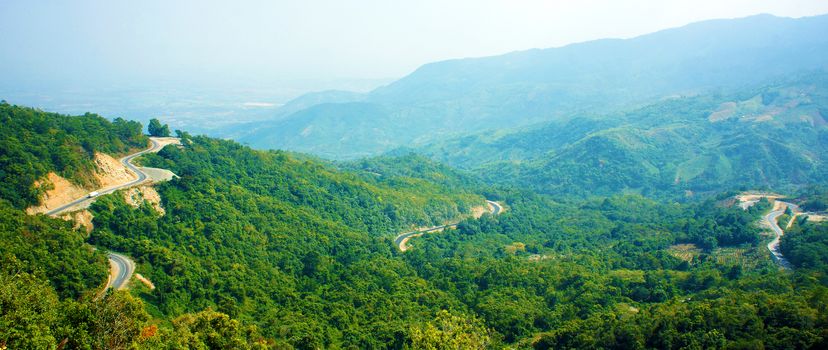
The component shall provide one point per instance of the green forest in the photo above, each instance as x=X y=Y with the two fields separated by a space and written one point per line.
x=768 y=136
x=276 y=250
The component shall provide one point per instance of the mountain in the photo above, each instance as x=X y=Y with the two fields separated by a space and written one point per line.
x=456 y=97
x=255 y=249
x=770 y=136
x=614 y=165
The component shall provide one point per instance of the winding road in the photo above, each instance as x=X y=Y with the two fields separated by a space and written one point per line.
x=127 y=162
x=773 y=246
x=121 y=267
x=496 y=208
x=121 y=271
x=402 y=239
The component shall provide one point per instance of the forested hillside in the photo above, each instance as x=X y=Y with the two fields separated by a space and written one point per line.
x=50 y=250
x=407 y=164
x=245 y=232
x=267 y=249
x=772 y=136
x=598 y=273
x=34 y=143
x=289 y=245
x=805 y=243
x=613 y=273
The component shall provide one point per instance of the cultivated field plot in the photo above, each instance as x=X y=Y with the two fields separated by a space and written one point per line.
x=747 y=256
x=687 y=252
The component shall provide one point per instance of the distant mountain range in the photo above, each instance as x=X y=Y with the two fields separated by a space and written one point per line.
x=457 y=97
x=773 y=136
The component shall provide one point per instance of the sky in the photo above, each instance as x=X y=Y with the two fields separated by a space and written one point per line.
x=90 y=41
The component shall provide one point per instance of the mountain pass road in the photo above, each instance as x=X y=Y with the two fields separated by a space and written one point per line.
x=127 y=162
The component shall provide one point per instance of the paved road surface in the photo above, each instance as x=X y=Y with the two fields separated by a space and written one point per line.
x=773 y=246
x=124 y=268
x=496 y=208
x=403 y=238
x=126 y=161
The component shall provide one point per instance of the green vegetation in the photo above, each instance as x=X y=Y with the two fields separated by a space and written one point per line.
x=156 y=129
x=449 y=331
x=413 y=165
x=815 y=198
x=319 y=223
x=601 y=275
x=48 y=280
x=273 y=250
x=595 y=273
x=768 y=137
x=50 y=250
x=34 y=143
x=296 y=247
x=708 y=231
x=806 y=246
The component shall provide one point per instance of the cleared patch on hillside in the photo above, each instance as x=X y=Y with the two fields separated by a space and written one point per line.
x=60 y=192
x=109 y=173
x=514 y=248
x=478 y=211
x=81 y=218
x=145 y=281
x=137 y=196
x=731 y=256
x=725 y=111
x=686 y=252
x=692 y=168
x=628 y=276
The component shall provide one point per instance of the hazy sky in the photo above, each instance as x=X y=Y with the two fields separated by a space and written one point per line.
x=83 y=40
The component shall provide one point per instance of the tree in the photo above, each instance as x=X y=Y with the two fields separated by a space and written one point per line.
x=449 y=331
x=156 y=129
x=183 y=135
x=28 y=312
x=212 y=330
x=114 y=322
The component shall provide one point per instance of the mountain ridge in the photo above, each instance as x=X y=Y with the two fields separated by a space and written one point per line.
x=770 y=135
x=455 y=97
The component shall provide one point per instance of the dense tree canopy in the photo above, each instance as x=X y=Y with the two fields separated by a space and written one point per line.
x=268 y=249
x=806 y=245
x=49 y=249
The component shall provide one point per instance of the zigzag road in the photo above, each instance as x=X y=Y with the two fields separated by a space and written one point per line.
x=121 y=267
